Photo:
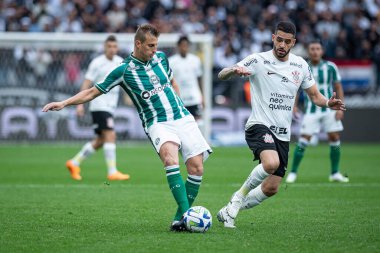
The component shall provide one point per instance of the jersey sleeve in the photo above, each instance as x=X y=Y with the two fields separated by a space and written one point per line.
x=92 y=71
x=335 y=73
x=166 y=65
x=199 y=71
x=113 y=78
x=249 y=62
x=308 y=79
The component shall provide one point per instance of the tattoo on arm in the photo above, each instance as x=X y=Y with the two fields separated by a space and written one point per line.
x=226 y=73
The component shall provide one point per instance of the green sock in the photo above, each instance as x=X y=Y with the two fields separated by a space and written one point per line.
x=192 y=188
x=298 y=155
x=334 y=157
x=177 y=187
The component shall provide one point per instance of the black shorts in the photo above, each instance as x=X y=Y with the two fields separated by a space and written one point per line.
x=260 y=138
x=195 y=110
x=102 y=121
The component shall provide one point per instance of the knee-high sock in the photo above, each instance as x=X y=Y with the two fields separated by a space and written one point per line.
x=334 y=156
x=85 y=152
x=254 y=198
x=298 y=153
x=177 y=187
x=109 y=149
x=257 y=175
x=192 y=185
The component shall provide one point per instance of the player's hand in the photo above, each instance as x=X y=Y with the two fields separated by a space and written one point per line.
x=241 y=71
x=54 y=106
x=336 y=104
x=80 y=110
x=339 y=115
x=296 y=113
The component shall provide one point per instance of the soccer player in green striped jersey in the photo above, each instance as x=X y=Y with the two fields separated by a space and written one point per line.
x=147 y=78
x=328 y=79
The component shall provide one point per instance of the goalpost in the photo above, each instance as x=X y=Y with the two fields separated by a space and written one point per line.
x=38 y=67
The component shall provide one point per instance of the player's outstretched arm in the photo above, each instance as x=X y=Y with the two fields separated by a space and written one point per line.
x=80 y=98
x=236 y=70
x=322 y=101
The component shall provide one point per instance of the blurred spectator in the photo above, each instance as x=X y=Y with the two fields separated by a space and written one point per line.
x=348 y=29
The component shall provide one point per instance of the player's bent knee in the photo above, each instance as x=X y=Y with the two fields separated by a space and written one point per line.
x=270 y=190
x=195 y=170
x=271 y=166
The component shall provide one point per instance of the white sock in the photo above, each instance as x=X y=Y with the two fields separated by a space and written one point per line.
x=85 y=152
x=110 y=156
x=254 y=198
x=257 y=175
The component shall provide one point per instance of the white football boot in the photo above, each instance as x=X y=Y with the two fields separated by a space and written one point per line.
x=291 y=178
x=338 y=177
x=228 y=213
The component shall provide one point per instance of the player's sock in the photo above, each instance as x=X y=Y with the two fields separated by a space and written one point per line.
x=193 y=183
x=298 y=153
x=254 y=198
x=177 y=188
x=110 y=156
x=334 y=156
x=257 y=175
x=85 y=152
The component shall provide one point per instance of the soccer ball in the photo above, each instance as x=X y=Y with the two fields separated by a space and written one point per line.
x=197 y=219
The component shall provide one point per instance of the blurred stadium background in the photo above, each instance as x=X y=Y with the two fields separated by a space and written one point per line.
x=46 y=45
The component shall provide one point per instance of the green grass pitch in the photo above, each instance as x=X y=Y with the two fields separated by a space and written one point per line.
x=43 y=210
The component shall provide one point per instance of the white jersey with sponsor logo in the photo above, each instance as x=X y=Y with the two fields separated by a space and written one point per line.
x=97 y=71
x=274 y=85
x=186 y=72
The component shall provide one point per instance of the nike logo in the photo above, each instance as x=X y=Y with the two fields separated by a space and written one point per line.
x=270 y=73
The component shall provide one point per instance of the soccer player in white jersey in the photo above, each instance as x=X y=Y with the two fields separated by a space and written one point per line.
x=187 y=69
x=102 y=110
x=275 y=77
x=327 y=77
x=147 y=78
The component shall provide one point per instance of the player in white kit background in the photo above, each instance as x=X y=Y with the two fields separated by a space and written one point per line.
x=187 y=70
x=275 y=77
x=316 y=119
x=102 y=109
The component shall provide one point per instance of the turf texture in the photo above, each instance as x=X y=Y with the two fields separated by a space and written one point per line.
x=43 y=210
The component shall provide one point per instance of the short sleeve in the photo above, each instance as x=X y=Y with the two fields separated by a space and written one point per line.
x=113 y=78
x=199 y=71
x=335 y=72
x=249 y=62
x=308 y=79
x=169 y=71
x=92 y=71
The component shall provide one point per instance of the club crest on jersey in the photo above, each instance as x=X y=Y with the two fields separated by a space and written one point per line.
x=156 y=60
x=268 y=138
x=296 y=76
x=132 y=67
x=154 y=80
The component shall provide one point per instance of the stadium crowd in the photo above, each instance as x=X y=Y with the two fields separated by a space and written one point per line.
x=348 y=29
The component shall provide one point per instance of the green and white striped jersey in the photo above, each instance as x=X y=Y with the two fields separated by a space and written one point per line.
x=326 y=74
x=149 y=86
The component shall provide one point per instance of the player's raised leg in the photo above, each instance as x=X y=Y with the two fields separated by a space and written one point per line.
x=269 y=164
x=299 y=152
x=266 y=189
x=194 y=167
x=109 y=148
x=73 y=165
x=169 y=156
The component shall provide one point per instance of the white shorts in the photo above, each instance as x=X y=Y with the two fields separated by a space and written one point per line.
x=314 y=123
x=184 y=132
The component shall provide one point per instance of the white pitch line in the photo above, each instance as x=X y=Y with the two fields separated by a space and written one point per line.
x=234 y=185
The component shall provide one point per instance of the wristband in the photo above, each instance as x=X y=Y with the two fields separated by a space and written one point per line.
x=327 y=104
